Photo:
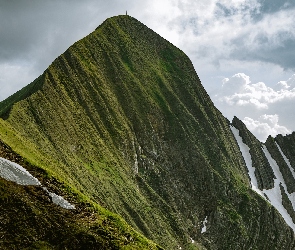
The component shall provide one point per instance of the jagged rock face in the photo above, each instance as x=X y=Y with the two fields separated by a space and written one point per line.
x=122 y=117
x=281 y=149
x=288 y=147
x=263 y=171
x=274 y=150
x=281 y=195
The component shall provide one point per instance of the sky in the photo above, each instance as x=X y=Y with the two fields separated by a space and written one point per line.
x=242 y=50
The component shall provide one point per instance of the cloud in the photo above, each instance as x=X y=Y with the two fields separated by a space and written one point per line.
x=260 y=106
x=16 y=75
x=286 y=85
x=239 y=91
x=271 y=39
x=241 y=30
x=271 y=6
x=266 y=125
x=236 y=84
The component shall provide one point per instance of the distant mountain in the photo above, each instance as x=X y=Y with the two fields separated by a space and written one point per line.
x=122 y=121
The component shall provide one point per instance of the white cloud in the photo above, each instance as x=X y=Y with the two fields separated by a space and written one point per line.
x=238 y=90
x=235 y=84
x=258 y=105
x=266 y=125
x=13 y=77
x=286 y=85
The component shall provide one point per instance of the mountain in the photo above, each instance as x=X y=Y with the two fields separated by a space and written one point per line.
x=121 y=124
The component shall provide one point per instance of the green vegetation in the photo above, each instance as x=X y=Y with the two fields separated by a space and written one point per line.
x=123 y=122
x=29 y=220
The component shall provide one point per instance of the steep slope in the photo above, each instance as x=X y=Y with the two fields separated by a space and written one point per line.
x=29 y=219
x=122 y=118
x=276 y=168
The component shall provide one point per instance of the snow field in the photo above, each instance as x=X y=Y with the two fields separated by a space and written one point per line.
x=11 y=171
x=248 y=160
x=273 y=195
x=58 y=200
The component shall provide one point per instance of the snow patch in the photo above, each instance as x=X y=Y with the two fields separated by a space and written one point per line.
x=135 y=157
x=286 y=160
x=248 y=160
x=136 y=163
x=204 y=228
x=274 y=195
x=11 y=171
x=58 y=200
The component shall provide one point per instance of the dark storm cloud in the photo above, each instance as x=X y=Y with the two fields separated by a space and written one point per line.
x=282 y=54
x=38 y=29
x=27 y=26
x=268 y=7
x=227 y=11
x=18 y=28
x=271 y=6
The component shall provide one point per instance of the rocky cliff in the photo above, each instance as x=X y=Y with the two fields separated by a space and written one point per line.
x=122 y=120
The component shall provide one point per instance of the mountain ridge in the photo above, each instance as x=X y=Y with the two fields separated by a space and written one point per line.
x=122 y=118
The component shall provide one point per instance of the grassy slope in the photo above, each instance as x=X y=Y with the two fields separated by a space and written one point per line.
x=122 y=118
x=29 y=219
